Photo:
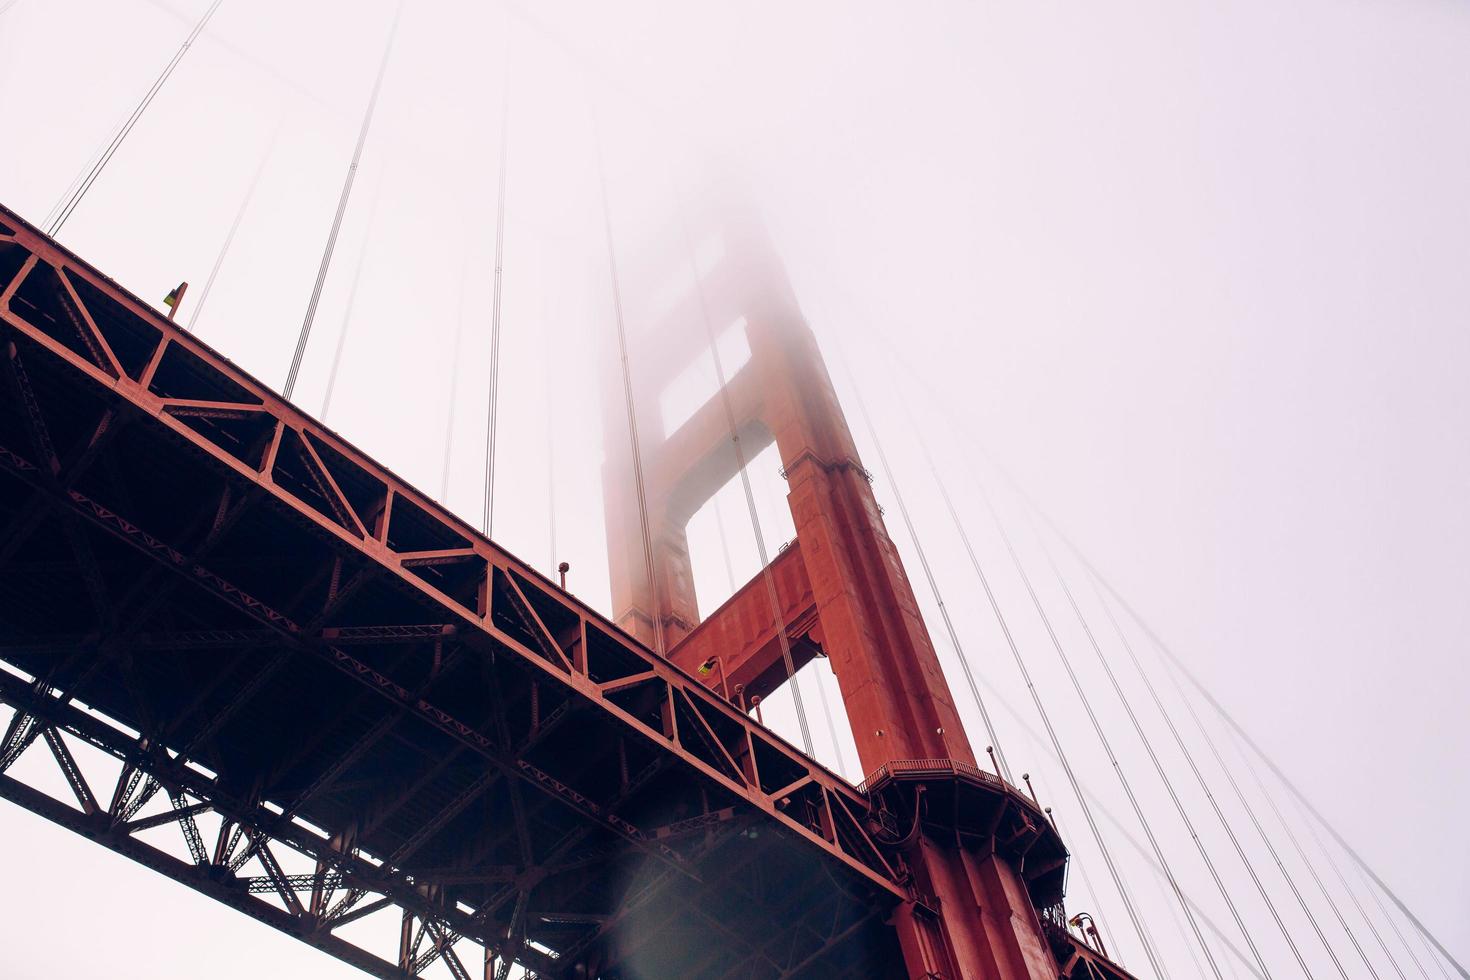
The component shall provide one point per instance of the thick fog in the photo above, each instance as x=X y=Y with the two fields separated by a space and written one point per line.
x=1185 y=282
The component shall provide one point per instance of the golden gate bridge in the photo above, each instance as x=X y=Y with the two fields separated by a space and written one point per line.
x=346 y=704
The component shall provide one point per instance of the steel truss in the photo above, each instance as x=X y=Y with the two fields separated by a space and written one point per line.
x=357 y=707
x=265 y=625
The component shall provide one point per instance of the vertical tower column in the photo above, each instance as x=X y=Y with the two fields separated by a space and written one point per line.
x=969 y=914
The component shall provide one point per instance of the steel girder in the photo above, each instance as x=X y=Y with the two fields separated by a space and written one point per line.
x=379 y=707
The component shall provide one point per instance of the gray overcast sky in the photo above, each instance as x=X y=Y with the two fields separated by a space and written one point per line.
x=1194 y=273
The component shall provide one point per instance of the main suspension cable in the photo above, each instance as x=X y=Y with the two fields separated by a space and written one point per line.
x=326 y=264
x=224 y=250
x=70 y=203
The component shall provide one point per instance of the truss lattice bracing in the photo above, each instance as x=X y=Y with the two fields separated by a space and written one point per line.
x=317 y=697
x=243 y=611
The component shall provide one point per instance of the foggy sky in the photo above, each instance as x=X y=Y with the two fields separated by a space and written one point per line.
x=1193 y=274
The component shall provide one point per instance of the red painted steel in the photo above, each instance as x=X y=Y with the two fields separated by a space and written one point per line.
x=580 y=796
x=840 y=587
x=339 y=685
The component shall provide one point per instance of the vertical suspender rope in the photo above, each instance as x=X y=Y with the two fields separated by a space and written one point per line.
x=492 y=408
x=65 y=210
x=464 y=269
x=1383 y=911
x=1256 y=822
x=1163 y=775
x=628 y=403
x=224 y=251
x=954 y=637
x=326 y=264
x=1134 y=918
x=760 y=542
x=1204 y=785
x=1332 y=866
x=1260 y=753
x=1301 y=855
x=1101 y=735
x=367 y=240
x=1178 y=924
x=81 y=175
x=551 y=557
x=1113 y=871
x=1092 y=891
x=724 y=543
x=1137 y=845
x=1229 y=720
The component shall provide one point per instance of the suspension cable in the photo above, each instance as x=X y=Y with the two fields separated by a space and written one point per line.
x=367 y=239
x=1097 y=577
x=1291 y=836
x=1117 y=823
x=492 y=408
x=628 y=403
x=1203 y=784
x=1092 y=892
x=81 y=174
x=1113 y=871
x=1261 y=831
x=724 y=543
x=767 y=578
x=1103 y=738
x=1357 y=904
x=1260 y=753
x=903 y=510
x=224 y=250
x=1383 y=912
x=1153 y=755
x=1224 y=715
x=66 y=209
x=546 y=367
x=1164 y=775
x=453 y=400
x=326 y=264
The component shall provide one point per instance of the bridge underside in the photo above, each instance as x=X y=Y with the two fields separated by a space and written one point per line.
x=257 y=663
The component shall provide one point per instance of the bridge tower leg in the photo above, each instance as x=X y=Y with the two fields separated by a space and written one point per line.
x=841 y=586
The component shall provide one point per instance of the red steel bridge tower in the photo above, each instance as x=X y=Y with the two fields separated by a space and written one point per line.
x=221 y=621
